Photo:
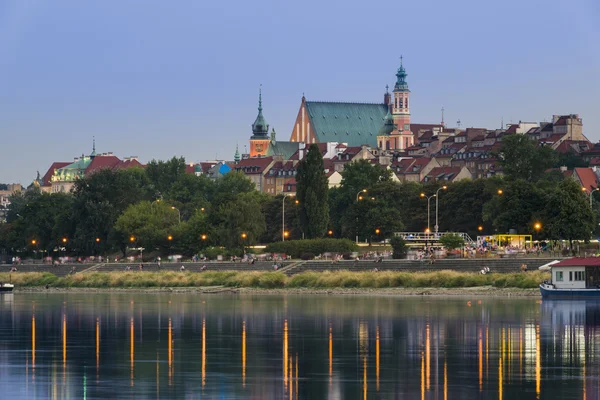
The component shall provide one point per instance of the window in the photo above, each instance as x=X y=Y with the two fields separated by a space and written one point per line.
x=559 y=276
x=580 y=275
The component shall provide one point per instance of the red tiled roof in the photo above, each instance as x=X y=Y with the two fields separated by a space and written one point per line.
x=595 y=161
x=258 y=162
x=555 y=137
x=579 y=262
x=100 y=162
x=124 y=164
x=573 y=145
x=48 y=175
x=587 y=177
x=478 y=138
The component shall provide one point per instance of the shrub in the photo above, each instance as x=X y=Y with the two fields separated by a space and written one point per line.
x=399 y=249
x=307 y=256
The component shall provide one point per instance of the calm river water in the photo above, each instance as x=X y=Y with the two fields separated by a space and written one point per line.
x=228 y=346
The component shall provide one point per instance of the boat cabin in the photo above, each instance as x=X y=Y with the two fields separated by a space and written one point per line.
x=577 y=273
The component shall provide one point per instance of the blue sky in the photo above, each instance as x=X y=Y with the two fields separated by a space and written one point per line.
x=163 y=78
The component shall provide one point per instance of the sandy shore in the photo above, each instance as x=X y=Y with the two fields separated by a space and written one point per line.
x=468 y=291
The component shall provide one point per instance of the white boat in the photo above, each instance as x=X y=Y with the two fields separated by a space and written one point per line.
x=6 y=287
x=574 y=278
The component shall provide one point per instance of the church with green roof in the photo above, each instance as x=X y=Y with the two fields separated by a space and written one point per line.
x=378 y=125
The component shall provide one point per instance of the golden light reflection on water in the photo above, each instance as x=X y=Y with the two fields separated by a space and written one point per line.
x=538 y=362
x=330 y=355
x=445 y=380
x=500 y=379
x=428 y=356
x=422 y=376
x=291 y=369
x=64 y=338
x=480 y=357
x=170 y=351
x=203 y=352
x=377 y=357
x=131 y=350
x=33 y=342
x=97 y=346
x=244 y=353
x=285 y=354
x=365 y=377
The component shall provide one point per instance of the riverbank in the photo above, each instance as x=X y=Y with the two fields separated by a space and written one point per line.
x=487 y=291
x=319 y=281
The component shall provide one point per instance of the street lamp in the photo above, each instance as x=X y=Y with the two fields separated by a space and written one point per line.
x=591 y=194
x=244 y=236
x=358 y=197
x=203 y=237
x=500 y=191
x=178 y=212
x=436 y=206
x=428 y=208
x=537 y=226
x=283 y=232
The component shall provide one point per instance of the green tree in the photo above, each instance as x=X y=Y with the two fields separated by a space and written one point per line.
x=452 y=241
x=149 y=224
x=399 y=248
x=162 y=174
x=568 y=214
x=521 y=158
x=312 y=193
x=240 y=217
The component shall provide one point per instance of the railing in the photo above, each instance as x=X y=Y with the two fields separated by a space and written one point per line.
x=430 y=237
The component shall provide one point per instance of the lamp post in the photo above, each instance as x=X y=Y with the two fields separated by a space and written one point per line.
x=428 y=209
x=436 y=206
x=283 y=232
x=537 y=226
x=358 y=197
x=591 y=194
x=244 y=236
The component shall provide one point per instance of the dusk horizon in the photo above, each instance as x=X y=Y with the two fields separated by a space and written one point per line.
x=156 y=82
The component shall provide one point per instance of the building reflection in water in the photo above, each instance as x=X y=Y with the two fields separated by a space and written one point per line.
x=522 y=351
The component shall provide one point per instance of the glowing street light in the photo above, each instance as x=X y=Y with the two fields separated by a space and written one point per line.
x=437 y=196
x=359 y=197
x=132 y=239
x=170 y=238
x=428 y=208
x=97 y=240
x=500 y=191
x=203 y=237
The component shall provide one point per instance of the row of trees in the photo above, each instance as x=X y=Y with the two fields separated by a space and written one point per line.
x=161 y=208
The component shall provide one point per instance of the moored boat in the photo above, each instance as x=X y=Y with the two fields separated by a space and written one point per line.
x=574 y=278
x=6 y=287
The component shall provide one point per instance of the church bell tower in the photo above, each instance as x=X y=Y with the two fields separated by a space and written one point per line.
x=401 y=110
x=259 y=141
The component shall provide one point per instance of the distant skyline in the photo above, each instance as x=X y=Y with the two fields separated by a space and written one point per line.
x=160 y=79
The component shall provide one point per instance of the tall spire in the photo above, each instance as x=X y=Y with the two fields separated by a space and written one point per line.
x=236 y=157
x=93 y=146
x=401 y=84
x=260 y=127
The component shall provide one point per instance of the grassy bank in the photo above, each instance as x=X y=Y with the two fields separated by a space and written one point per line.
x=271 y=280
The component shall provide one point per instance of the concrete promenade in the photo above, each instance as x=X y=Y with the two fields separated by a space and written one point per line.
x=291 y=267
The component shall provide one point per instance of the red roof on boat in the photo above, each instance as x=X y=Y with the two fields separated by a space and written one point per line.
x=579 y=262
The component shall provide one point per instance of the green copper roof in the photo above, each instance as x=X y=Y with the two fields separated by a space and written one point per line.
x=388 y=126
x=236 y=157
x=285 y=149
x=352 y=123
x=401 y=84
x=260 y=127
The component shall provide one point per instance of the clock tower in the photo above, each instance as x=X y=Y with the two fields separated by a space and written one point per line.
x=401 y=110
x=259 y=141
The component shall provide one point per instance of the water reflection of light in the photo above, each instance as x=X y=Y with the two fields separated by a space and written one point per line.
x=131 y=350
x=480 y=357
x=170 y=350
x=422 y=376
x=500 y=379
x=33 y=343
x=365 y=377
x=296 y=375
x=377 y=357
x=521 y=353
x=203 y=352
x=285 y=354
x=97 y=347
x=538 y=362
x=330 y=355
x=584 y=379
x=157 y=376
x=428 y=355
x=244 y=353
x=64 y=338
x=291 y=369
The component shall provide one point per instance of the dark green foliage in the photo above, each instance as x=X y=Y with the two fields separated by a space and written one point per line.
x=399 y=248
x=296 y=248
x=522 y=158
x=312 y=193
x=452 y=241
